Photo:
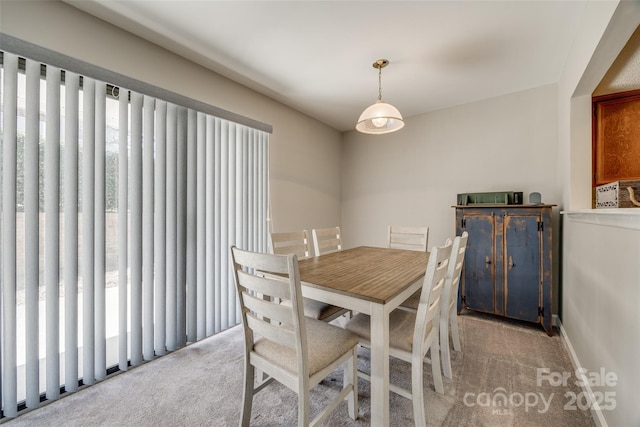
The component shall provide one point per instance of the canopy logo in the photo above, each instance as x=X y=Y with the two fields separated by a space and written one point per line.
x=503 y=403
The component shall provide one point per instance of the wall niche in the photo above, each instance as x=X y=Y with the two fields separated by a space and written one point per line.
x=616 y=119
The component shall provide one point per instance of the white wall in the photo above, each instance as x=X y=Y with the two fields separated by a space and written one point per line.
x=305 y=154
x=601 y=274
x=599 y=310
x=411 y=177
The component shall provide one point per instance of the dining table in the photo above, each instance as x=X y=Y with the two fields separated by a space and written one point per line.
x=369 y=280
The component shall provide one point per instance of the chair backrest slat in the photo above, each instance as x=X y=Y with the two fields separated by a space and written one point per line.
x=292 y=242
x=275 y=312
x=411 y=238
x=272 y=332
x=327 y=240
x=267 y=284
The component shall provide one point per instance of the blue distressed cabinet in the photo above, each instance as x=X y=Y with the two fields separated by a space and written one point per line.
x=507 y=267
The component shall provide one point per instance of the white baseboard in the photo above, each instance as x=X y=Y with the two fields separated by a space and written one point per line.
x=596 y=412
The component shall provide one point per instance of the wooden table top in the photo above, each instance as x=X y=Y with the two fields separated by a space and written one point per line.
x=374 y=274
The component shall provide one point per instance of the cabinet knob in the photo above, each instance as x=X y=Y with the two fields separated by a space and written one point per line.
x=487 y=260
x=511 y=264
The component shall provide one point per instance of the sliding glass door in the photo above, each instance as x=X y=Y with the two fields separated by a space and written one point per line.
x=117 y=212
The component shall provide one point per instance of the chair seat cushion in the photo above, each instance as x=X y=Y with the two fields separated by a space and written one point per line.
x=413 y=301
x=316 y=309
x=401 y=327
x=325 y=343
x=319 y=310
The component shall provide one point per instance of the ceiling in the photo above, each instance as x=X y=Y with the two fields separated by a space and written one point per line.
x=317 y=56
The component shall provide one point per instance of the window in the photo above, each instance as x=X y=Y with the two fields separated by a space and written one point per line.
x=118 y=205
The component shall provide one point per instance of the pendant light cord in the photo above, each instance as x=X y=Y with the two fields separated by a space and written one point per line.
x=379 y=83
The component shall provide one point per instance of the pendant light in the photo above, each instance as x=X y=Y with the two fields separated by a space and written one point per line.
x=380 y=117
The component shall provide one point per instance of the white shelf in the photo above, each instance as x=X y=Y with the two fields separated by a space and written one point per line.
x=621 y=218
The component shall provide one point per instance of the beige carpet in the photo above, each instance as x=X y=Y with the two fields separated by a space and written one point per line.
x=201 y=385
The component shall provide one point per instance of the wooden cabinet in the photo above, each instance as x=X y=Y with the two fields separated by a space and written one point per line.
x=616 y=131
x=507 y=267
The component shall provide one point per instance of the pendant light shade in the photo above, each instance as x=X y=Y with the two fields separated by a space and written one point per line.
x=380 y=117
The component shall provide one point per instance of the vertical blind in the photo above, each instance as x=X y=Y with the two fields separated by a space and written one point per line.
x=117 y=212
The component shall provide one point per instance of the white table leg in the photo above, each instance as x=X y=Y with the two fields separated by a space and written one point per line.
x=379 y=366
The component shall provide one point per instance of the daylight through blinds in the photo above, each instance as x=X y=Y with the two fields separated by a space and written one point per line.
x=117 y=212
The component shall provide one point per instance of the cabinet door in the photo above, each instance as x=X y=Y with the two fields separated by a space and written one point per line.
x=479 y=271
x=522 y=264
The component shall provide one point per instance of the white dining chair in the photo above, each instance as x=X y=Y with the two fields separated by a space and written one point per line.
x=449 y=304
x=292 y=242
x=281 y=342
x=297 y=242
x=411 y=238
x=449 y=309
x=412 y=335
x=326 y=240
